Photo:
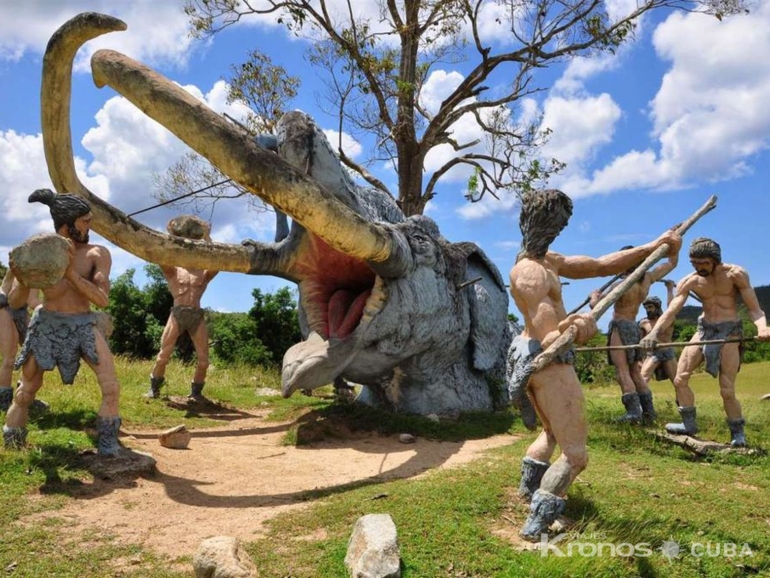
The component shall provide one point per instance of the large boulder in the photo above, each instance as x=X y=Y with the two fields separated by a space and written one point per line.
x=41 y=260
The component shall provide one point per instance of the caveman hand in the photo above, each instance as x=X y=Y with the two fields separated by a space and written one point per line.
x=672 y=239
x=585 y=325
x=763 y=334
x=649 y=342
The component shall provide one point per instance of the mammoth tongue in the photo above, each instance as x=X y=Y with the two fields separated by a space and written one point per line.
x=345 y=310
x=315 y=362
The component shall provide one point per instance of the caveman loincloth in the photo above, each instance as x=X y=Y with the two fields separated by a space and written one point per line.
x=629 y=335
x=708 y=331
x=188 y=318
x=661 y=356
x=19 y=316
x=519 y=368
x=60 y=340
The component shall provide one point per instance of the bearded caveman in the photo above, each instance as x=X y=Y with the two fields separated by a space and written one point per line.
x=718 y=286
x=64 y=329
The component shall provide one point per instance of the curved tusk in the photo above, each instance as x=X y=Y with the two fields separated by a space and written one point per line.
x=235 y=154
x=107 y=220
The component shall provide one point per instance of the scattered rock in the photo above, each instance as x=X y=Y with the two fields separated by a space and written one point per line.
x=126 y=463
x=373 y=550
x=176 y=438
x=433 y=417
x=407 y=438
x=266 y=392
x=41 y=260
x=223 y=557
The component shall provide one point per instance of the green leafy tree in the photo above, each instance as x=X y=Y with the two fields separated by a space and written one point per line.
x=136 y=333
x=235 y=340
x=277 y=321
x=376 y=67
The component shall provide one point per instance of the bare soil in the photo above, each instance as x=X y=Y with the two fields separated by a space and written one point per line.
x=233 y=478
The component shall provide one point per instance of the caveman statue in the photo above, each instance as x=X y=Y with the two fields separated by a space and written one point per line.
x=63 y=330
x=718 y=286
x=13 y=330
x=187 y=287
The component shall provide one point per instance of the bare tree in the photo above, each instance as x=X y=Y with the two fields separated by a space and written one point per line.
x=265 y=89
x=378 y=66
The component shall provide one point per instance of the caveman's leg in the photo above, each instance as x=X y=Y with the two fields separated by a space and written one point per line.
x=15 y=429
x=690 y=359
x=106 y=377
x=108 y=418
x=200 y=340
x=167 y=343
x=729 y=363
x=9 y=341
x=620 y=361
x=559 y=397
x=649 y=365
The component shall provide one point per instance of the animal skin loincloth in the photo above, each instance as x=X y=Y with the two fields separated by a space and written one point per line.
x=188 y=318
x=519 y=368
x=629 y=335
x=708 y=331
x=19 y=316
x=60 y=340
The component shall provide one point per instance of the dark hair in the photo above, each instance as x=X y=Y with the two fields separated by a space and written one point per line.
x=544 y=214
x=65 y=208
x=653 y=301
x=703 y=247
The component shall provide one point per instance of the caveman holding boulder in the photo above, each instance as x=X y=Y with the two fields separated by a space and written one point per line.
x=187 y=287
x=64 y=330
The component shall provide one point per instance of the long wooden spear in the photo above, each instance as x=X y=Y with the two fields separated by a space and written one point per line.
x=564 y=341
x=602 y=289
x=662 y=345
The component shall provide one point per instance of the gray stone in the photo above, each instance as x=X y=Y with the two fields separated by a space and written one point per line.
x=176 y=438
x=373 y=550
x=406 y=438
x=223 y=557
x=41 y=260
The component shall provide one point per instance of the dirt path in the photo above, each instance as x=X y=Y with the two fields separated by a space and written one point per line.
x=233 y=478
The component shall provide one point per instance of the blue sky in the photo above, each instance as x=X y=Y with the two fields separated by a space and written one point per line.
x=648 y=134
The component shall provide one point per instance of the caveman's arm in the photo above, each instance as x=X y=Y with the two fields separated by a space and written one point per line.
x=18 y=294
x=673 y=309
x=740 y=278
x=582 y=267
x=660 y=271
x=97 y=290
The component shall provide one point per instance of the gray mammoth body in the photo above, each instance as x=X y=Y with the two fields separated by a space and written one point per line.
x=387 y=301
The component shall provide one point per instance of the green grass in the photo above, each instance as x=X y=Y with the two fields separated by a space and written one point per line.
x=636 y=489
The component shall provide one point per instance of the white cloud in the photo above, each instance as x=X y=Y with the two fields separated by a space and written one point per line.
x=157 y=31
x=580 y=126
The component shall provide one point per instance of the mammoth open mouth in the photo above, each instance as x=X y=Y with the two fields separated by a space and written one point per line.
x=335 y=289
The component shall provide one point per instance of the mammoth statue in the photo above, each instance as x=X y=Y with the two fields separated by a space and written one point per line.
x=387 y=301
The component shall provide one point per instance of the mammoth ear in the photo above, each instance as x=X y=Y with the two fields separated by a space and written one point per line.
x=488 y=302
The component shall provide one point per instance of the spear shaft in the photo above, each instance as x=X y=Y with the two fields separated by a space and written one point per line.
x=564 y=341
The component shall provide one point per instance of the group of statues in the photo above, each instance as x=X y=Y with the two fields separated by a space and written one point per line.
x=555 y=391
x=63 y=329
x=385 y=300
